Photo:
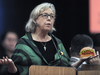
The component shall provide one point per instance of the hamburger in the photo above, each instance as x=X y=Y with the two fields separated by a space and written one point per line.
x=86 y=52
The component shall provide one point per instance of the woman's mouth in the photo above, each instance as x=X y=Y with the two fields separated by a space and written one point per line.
x=48 y=24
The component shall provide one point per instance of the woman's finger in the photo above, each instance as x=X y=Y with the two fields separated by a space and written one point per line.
x=4 y=60
x=7 y=58
x=1 y=61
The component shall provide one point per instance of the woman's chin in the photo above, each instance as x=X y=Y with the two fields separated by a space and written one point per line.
x=48 y=29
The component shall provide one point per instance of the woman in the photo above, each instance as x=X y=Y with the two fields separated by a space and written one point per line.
x=38 y=46
x=8 y=41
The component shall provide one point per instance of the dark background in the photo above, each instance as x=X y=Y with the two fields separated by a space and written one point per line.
x=72 y=17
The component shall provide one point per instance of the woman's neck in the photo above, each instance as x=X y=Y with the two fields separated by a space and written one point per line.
x=42 y=37
x=9 y=53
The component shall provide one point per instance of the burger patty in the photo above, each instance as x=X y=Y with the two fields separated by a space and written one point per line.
x=87 y=52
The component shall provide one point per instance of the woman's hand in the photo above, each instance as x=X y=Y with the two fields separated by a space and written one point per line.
x=6 y=61
x=11 y=66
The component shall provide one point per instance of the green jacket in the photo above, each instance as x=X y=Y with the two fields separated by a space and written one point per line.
x=26 y=54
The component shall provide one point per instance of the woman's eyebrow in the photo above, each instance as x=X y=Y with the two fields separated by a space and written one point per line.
x=47 y=13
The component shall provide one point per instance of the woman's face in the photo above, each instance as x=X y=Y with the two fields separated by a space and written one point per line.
x=10 y=41
x=45 y=22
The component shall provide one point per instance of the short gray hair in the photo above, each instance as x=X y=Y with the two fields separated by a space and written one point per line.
x=30 y=26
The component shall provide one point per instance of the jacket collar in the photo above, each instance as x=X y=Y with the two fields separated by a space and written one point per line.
x=36 y=50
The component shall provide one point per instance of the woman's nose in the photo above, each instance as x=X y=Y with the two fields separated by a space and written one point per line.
x=49 y=17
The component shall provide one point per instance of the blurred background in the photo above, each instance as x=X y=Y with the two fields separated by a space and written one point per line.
x=72 y=17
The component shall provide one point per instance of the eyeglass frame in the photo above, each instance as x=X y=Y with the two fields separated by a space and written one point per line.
x=47 y=16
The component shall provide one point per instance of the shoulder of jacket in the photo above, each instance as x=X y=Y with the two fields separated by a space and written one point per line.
x=57 y=39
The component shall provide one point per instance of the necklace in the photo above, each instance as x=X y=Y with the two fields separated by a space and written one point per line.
x=44 y=46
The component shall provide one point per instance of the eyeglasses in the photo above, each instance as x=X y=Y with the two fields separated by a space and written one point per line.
x=52 y=16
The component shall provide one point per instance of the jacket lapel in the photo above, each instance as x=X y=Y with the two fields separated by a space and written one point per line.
x=34 y=47
x=36 y=50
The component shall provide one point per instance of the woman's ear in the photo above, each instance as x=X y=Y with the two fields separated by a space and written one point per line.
x=35 y=23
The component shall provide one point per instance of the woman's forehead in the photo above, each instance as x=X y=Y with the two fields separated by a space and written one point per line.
x=48 y=11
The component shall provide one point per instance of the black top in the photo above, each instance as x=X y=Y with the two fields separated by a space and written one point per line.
x=50 y=49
